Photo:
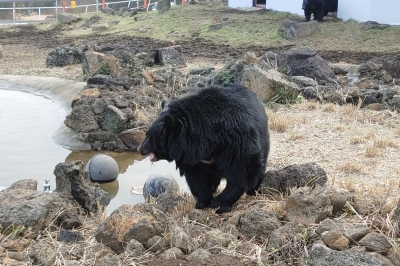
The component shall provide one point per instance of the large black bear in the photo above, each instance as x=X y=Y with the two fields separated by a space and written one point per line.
x=319 y=8
x=214 y=133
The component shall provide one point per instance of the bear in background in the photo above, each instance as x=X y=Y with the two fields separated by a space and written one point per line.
x=319 y=8
x=213 y=133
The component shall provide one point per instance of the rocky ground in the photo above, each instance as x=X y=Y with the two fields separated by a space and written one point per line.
x=352 y=150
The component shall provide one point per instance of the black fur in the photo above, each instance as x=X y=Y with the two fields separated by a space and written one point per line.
x=215 y=133
x=319 y=8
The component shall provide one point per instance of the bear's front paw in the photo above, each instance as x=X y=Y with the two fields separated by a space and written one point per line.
x=220 y=207
x=202 y=204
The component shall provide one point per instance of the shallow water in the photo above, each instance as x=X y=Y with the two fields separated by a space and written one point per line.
x=28 y=151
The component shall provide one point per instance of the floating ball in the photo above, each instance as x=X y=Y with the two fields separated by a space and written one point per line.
x=102 y=168
x=159 y=183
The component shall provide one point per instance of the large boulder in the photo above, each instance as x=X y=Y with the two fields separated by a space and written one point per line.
x=21 y=205
x=99 y=63
x=292 y=30
x=392 y=65
x=170 y=56
x=139 y=222
x=320 y=255
x=304 y=61
x=82 y=119
x=313 y=205
x=72 y=179
x=297 y=175
x=65 y=55
x=113 y=119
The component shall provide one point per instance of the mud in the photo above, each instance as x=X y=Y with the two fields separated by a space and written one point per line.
x=192 y=48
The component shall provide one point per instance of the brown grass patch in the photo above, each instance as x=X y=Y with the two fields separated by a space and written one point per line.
x=329 y=108
x=383 y=143
x=351 y=168
x=278 y=122
x=357 y=140
x=371 y=152
x=297 y=137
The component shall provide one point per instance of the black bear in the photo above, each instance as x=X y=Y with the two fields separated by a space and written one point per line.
x=213 y=133
x=319 y=8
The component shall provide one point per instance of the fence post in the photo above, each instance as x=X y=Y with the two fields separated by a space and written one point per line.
x=63 y=5
x=14 y=13
x=144 y=4
x=103 y=4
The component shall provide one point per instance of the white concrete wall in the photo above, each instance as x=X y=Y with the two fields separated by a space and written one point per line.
x=385 y=11
x=292 y=6
x=358 y=10
x=240 y=3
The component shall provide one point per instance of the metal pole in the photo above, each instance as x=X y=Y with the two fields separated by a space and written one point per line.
x=14 y=13
x=97 y=5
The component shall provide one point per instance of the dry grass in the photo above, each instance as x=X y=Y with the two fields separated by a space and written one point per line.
x=278 y=122
x=351 y=167
x=329 y=107
x=383 y=143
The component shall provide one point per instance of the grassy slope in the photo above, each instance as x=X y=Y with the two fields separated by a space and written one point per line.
x=251 y=28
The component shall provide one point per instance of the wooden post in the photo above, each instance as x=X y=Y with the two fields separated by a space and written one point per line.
x=63 y=5
x=183 y=2
x=144 y=4
x=103 y=4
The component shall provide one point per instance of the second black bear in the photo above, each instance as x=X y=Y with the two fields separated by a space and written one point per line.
x=319 y=8
x=214 y=133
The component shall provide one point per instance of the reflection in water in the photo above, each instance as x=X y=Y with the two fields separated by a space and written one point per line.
x=27 y=150
x=134 y=169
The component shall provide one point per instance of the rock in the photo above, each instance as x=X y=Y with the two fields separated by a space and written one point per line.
x=93 y=93
x=132 y=138
x=297 y=175
x=259 y=222
x=392 y=65
x=201 y=70
x=99 y=79
x=394 y=103
x=64 y=55
x=385 y=261
x=28 y=184
x=371 y=70
x=304 y=81
x=98 y=63
x=352 y=232
x=113 y=120
x=216 y=238
x=68 y=236
x=291 y=30
x=309 y=205
x=335 y=240
x=170 y=56
x=159 y=183
x=266 y=84
x=99 y=27
x=72 y=179
x=304 y=61
x=82 y=119
x=102 y=168
x=18 y=244
x=139 y=222
x=66 y=18
x=320 y=255
x=113 y=22
x=90 y=21
x=171 y=253
x=109 y=259
x=373 y=25
x=25 y=207
x=12 y=262
x=366 y=204
x=133 y=248
x=108 y=10
x=289 y=232
x=200 y=254
x=376 y=242
x=180 y=240
x=156 y=243
x=42 y=253
x=167 y=202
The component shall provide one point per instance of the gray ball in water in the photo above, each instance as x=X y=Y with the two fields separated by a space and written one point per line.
x=159 y=183
x=102 y=168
